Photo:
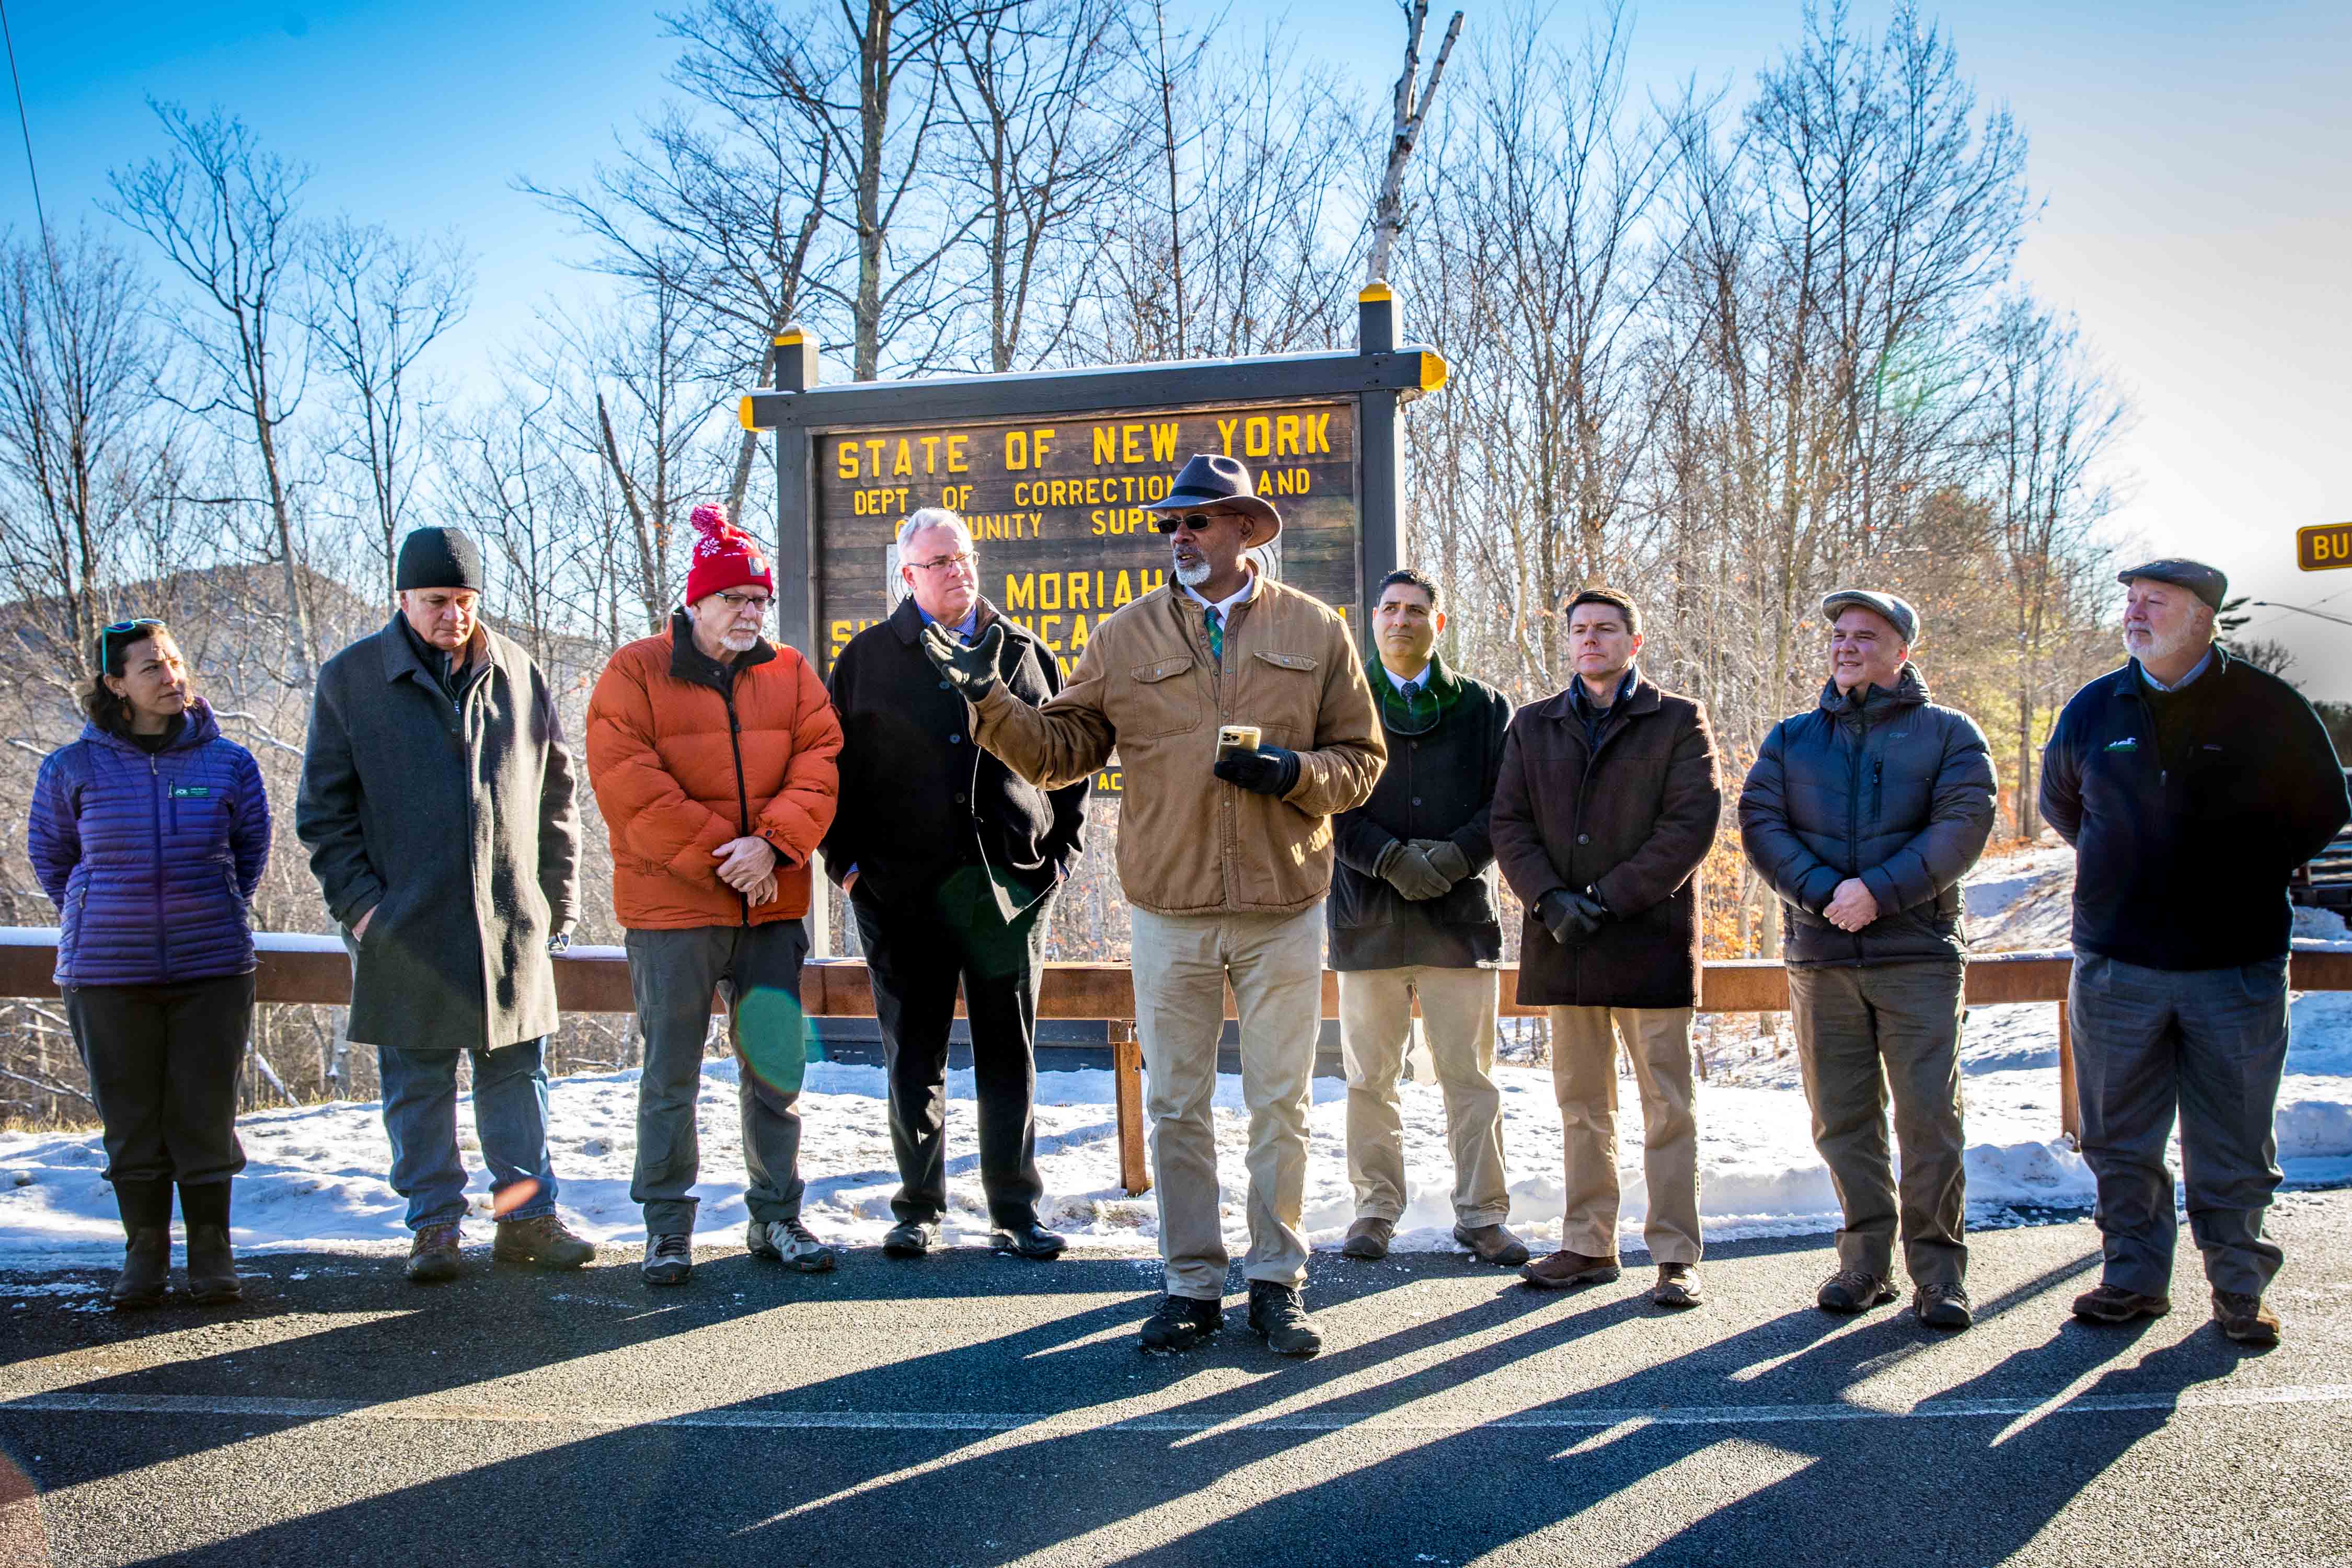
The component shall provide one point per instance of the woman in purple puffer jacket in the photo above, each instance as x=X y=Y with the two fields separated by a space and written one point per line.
x=150 y=834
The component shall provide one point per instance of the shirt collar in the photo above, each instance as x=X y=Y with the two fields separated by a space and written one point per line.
x=2201 y=666
x=964 y=629
x=1419 y=676
x=1225 y=608
x=1624 y=688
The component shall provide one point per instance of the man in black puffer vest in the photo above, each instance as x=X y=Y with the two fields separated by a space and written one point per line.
x=1863 y=814
x=950 y=860
x=2191 y=786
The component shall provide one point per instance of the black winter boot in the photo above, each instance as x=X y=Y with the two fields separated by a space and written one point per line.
x=146 y=1208
x=212 y=1267
x=1279 y=1315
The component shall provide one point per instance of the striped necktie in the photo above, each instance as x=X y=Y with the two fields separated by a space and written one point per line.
x=1216 y=634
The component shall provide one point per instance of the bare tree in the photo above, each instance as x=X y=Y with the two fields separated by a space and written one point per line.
x=224 y=213
x=1032 y=87
x=376 y=303
x=1408 y=115
x=78 y=439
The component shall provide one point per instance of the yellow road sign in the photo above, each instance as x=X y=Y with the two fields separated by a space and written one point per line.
x=2323 y=547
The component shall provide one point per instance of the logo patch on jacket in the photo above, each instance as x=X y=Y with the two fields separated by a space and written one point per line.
x=2128 y=743
x=192 y=791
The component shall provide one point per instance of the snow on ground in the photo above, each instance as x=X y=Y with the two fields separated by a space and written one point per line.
x=314 y=1181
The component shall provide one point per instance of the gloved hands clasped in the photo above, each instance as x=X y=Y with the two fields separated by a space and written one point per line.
x=971 y=670
x=1406 y=867
x=1269 y=770
x=1446 y=856
x=1570 y=917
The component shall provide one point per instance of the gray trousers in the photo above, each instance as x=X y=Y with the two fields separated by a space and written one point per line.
x=2208 y=1046
x=1864 y=1036
x=672 y=976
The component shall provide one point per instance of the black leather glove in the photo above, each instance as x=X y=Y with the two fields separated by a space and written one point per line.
x=1570 y=917
x=1269 y=770
x=1406 y=869
x=1445 y=857
x=971 y=670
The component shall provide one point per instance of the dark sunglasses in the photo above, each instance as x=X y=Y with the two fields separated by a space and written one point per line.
x=120 y=635
x=1195 y=520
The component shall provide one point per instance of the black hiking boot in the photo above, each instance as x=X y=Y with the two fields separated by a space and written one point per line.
x=1181 y=1322
x=1851 y=1290
x=1278 y=1316
x=540 y=1242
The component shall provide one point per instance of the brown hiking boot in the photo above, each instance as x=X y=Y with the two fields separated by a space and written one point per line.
x=1943 y=1307
x=1852 y=1291
x=2113 y=1304
x=2244 y=1317
x=1677 y=1286
x=1369 y=1238
x=1492 y=1244
x=1563 y=1269
x=540 y=1242
x=433 y=1256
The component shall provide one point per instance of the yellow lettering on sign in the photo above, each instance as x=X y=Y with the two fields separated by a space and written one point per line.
x=875 y=447
x=1076 y=597
x=1130 y=447
x=1285 y=435
x=1046 y=637
x=1121 y=593
x=1225 y=434
x=956 y=464
x=1163 y=442
x=1040 y=443
x=1016 y=448
x=905 y=463
x=930 y=454
x=1020 y=592
x=845 y=461
x=1257 y=435
x=1078 y=634
x=1318 y=432
x=1049 y=590
x=1106 y=443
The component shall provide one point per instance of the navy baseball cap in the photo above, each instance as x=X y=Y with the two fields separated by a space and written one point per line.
x=2208 y=582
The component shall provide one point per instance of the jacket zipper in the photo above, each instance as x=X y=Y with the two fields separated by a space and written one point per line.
x=1853 y=801
x=742 y=797
x=155 y=805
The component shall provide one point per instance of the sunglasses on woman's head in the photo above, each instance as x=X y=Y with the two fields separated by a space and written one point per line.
x=122 y=632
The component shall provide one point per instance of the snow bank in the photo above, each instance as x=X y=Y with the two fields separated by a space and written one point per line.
x=314 y=1181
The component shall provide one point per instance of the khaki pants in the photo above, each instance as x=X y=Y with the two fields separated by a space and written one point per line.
x=1584 y=1081
x=1865 y=1036
x=1181 y=964
x=1457 y=1011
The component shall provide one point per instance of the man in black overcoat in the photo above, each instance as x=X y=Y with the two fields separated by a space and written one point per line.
x=950 y=860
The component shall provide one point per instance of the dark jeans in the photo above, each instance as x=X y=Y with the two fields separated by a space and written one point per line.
x=916 y=957
x=1865 y=1036
x=420 y=1117
x=163 y=1063
x=2208 y=1046
x=673 y=976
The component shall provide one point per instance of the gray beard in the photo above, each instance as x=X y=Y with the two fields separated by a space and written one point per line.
x=2162 y=648
x=1193 y=576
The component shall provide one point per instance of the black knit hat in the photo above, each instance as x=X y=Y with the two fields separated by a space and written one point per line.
x=439 y=558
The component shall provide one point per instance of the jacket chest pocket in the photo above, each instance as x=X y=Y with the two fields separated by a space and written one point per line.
x=1161 y=699
x=1281 y=695
x=192 y=807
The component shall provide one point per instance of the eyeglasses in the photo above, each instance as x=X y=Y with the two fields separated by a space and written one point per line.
x=964 y=558
x=1195 y=520
x=739 y=603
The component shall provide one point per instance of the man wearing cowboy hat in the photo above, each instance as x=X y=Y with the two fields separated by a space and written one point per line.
x=1225 y=860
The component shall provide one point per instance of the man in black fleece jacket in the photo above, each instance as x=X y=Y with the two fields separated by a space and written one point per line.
x=2191 y=786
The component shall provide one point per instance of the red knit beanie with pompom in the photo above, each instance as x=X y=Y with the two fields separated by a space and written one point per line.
x=724 y=557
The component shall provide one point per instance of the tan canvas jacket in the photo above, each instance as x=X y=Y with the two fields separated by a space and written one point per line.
x=1189 y=843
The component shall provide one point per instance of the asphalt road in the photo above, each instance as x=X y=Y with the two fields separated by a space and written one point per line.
x=974 y=1410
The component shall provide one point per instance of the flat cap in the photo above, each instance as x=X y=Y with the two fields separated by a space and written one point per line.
x=1891 y=608
x=2208 y=582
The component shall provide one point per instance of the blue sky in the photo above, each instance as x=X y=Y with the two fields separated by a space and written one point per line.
x=2195 y=160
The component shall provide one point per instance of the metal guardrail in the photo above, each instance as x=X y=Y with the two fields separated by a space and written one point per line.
x=315 y=970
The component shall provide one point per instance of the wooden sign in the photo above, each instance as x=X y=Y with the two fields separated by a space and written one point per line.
x=1056 y=504
x=2324 y=547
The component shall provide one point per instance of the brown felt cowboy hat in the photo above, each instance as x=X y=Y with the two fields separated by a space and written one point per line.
x=1211 y=482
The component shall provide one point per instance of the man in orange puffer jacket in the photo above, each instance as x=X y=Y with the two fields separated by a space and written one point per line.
x=711 y=751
